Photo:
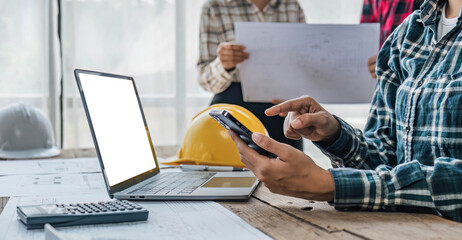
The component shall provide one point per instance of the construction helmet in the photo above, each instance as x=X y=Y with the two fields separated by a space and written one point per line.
x=25 y=132
x=206 y=142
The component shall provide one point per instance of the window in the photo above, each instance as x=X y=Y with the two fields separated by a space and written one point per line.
x=155 y=41
x=24 y=61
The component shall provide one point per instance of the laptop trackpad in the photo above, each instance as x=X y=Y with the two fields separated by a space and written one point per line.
x=230 y=182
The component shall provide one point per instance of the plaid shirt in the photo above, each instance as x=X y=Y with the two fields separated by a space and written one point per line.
x=411 y=149
x=389 y=13
x=217 y=26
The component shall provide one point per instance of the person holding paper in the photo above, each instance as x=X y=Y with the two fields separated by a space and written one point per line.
x=389 y=14
x=219 y=55
x=409 y=157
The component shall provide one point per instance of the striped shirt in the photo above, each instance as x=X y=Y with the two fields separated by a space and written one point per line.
x=217 y=26
x=409 y=156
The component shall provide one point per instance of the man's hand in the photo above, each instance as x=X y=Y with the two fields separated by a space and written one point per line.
x=277 y=101
x=292 y=173
x=371 y=62
x=231 y=54
x=306 y=118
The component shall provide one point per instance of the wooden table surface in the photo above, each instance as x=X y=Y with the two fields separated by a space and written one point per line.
x=284 y=217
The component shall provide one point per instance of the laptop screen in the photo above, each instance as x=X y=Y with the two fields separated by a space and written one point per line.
x=119 y=127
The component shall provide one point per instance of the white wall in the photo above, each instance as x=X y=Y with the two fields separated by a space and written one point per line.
x=332 y=11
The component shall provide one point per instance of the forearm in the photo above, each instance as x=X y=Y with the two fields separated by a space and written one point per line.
x=354 y=149
x=407 y=187
x=214 y=77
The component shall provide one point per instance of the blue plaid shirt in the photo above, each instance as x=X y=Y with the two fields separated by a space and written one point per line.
x=409 y=156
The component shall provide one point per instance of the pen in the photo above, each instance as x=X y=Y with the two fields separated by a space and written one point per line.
x=210 y=168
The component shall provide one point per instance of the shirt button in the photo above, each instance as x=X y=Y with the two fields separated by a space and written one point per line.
x=408 y=129
x=420 y=83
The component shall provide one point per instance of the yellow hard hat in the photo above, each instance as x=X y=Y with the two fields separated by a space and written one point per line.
x=206 y=142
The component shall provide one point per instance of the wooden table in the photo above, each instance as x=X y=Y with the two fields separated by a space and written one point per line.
x=284 y=217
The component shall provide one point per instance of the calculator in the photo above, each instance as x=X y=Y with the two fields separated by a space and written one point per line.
x=62 y=215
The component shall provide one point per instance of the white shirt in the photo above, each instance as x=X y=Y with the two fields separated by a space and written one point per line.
x=445 y=25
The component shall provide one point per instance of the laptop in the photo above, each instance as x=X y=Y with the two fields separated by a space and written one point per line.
x=126 y=153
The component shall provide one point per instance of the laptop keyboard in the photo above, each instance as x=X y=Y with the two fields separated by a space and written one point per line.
x=173 y=183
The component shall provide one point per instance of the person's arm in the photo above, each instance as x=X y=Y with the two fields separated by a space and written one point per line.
x=213 y=76
x=378 y=144
x=301 y=15
x=407 y=187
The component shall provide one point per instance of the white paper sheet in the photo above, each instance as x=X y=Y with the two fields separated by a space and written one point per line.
x=51 y=184
x=50 y=166
x=12 y=228
x=167 y=220
x=327 y=62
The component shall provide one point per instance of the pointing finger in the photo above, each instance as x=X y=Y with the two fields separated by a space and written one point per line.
x=294 y=105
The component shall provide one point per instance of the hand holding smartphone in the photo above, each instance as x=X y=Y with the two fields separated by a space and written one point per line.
x=231 y=123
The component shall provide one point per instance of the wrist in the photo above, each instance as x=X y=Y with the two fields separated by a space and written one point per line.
x=328 y=186
x=334 y=136
x=324 y=190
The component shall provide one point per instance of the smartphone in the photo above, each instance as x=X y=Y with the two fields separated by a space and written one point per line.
x=229 y=122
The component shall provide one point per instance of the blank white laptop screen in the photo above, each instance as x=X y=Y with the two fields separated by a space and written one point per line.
x=119 y=127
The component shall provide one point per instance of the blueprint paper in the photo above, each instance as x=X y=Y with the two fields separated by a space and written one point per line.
x=288 y=60
x=52 y=177
x=51 y=184
x=54 y=166
x=50 y=166
x=167 y=220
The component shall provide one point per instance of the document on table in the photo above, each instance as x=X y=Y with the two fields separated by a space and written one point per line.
x=50 y=166
x=167 y=220
x=51 y=184
x=288 y=60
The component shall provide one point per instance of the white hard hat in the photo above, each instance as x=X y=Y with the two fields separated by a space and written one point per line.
x=25 y=132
